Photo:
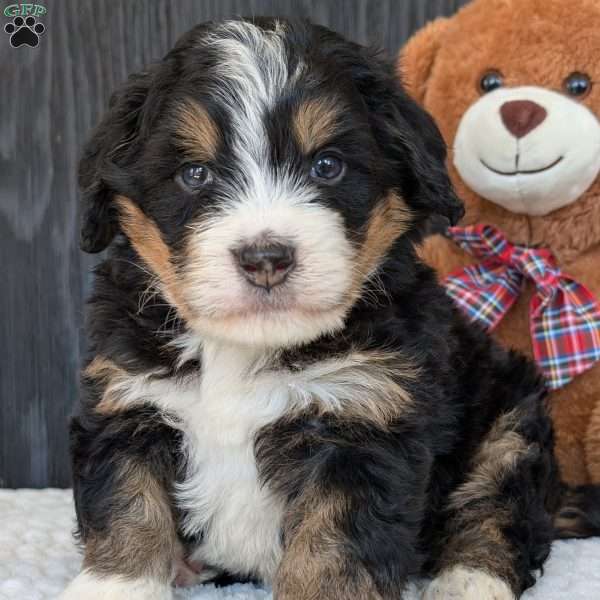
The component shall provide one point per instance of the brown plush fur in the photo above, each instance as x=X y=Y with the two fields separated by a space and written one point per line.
x=539 y=43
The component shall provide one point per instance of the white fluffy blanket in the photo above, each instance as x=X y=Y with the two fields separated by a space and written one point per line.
x=38 y=557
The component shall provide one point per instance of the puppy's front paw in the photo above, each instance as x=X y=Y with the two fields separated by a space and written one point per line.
x=462 y=583
x=189 y=573
x=87 y=586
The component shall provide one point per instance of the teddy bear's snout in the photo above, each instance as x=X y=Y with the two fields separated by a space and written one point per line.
x=522 y=116
x=529 y=149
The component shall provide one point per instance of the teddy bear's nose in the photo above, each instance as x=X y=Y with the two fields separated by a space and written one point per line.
x=522 y=116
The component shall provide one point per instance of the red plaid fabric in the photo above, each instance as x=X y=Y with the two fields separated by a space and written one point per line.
x=564 y=316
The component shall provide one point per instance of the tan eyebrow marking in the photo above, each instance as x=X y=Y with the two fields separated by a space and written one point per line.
x=315 y=121
x=196 y=131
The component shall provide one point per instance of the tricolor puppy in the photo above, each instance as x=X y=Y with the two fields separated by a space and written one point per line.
x=277 y=388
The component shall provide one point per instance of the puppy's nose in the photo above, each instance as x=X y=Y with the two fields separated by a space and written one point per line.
x=522 y=116
x=266 y=266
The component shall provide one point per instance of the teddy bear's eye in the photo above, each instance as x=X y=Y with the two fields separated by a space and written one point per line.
x=490 y=81
x=578 y=85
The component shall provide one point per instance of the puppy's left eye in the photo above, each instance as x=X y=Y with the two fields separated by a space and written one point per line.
x=328 y=168
x=193 y=176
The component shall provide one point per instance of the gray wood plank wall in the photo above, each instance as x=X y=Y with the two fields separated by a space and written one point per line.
x=50 y=97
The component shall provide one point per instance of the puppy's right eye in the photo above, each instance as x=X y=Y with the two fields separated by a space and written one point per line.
x=193 y=176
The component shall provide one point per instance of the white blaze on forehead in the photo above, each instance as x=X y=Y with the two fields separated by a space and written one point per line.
x=252 y=74
x=254 y=60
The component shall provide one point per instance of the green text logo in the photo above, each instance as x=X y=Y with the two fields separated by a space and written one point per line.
x=23 y=10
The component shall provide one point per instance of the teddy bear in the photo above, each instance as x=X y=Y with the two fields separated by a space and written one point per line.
x=514 y=86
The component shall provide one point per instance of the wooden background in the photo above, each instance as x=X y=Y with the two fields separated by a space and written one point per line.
x=50 y=97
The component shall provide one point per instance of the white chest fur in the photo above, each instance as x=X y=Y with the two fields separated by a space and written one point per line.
x=222 y=495
x=220 y=413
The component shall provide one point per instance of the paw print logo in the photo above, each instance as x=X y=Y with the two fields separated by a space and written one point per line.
x=24 y=32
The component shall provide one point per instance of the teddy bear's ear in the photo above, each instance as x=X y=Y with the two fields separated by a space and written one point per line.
x=101 y=169
x=416 y=59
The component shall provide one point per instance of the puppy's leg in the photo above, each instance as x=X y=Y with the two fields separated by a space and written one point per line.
x=131 y=557
x=317 y=563
x=354 y=496
x=498 y=530
x=121 y=474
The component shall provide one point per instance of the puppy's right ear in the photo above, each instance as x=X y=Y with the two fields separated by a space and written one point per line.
x=416 y=60
x=101 y=169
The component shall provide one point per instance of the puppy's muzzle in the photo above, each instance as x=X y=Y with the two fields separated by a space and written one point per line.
x=266 y=266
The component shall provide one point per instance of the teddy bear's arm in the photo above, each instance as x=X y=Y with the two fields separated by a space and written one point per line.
x=576 y=415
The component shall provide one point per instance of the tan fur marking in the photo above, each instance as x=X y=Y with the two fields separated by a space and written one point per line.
x=197 y=132
x=369 y=386
x=101 y=368
x=314 y=565
x=314 y=123
x=142 y=539
x=478 y=543
x=389 y=220
x=498 y=454
x=475 y=537
x=110 y=376
x=114 y=396
x=119 y=388
x=147 y=241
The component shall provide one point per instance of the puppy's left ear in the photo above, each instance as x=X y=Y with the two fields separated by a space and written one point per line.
x=418 y=144
x=102 y=172
x=413 y=147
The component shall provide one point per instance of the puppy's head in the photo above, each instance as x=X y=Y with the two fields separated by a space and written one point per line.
x=263 y=172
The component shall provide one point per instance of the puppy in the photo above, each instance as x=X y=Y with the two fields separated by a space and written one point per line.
x=277 y=387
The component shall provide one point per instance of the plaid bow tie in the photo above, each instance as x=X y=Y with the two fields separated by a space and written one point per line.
x=564 y=317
